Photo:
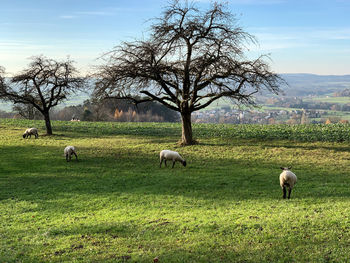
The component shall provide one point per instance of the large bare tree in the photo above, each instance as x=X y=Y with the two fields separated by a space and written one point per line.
x=190 y=59
x=43 y=84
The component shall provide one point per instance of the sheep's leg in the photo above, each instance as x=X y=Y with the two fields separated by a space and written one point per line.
x=289 y=192
x=284 y=192
x=173 y=164
x=67 y=158
x=76 y=156
x=165 y=163
x=160 y=164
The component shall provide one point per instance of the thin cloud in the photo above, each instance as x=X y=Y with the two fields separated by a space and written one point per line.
x=93 y=13
x=20 y=45
x=68 y=17
x=332 y=34
x=284 y=38
x=85 y=13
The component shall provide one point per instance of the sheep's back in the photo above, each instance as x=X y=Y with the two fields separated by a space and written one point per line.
x=169 y=155
x=289 y=178
x=31 y=131
x=69 y=150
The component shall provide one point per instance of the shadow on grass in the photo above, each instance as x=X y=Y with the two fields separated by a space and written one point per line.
x=41 y=173
x=339 y=147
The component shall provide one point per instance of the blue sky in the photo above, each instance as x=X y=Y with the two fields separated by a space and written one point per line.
x=300 y=36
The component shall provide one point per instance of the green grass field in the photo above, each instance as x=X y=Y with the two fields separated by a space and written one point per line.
x=116 y=205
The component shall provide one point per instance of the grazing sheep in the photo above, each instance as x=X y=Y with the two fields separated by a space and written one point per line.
x=31 y=131
x=69 y=151
x=287 y=179
x=171 y=155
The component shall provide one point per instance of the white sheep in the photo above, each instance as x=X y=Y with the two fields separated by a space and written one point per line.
x=69 y=151
x=171 y=155
x=287 y=179
x=31 y=131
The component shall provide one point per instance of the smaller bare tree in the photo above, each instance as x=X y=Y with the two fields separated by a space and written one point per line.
x=27 y=111
x=44 y=84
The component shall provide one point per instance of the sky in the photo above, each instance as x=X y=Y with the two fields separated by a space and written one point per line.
x=301 y=36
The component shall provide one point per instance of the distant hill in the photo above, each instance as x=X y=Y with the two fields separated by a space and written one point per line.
x=310 y=84
x=75 y=99
x=298 y=85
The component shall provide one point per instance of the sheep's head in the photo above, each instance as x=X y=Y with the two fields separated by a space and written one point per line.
x=24 y=135
x=184 y=163
x=286 y=168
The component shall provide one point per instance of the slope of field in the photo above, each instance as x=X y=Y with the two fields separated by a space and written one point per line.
x=328 y=99
x=116 y=205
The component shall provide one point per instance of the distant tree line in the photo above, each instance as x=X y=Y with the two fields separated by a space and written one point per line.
x=94 y=110
x=5 y=114
x=343 y=93
x=321 y=106
x=117 y=110
x=309 y=105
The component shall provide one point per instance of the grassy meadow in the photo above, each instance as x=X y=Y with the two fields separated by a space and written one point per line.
x=116 y=205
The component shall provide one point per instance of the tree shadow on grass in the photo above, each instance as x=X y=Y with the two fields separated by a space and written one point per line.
x=115 y=128
x=341 y=147
x=30 y=177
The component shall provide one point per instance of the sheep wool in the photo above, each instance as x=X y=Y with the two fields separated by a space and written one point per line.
x=69 y=151
x=172 y=156
x=29 y=132
x=287 y=179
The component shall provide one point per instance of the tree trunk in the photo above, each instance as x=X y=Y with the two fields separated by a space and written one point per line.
x=48 y=123
x=186 y=129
